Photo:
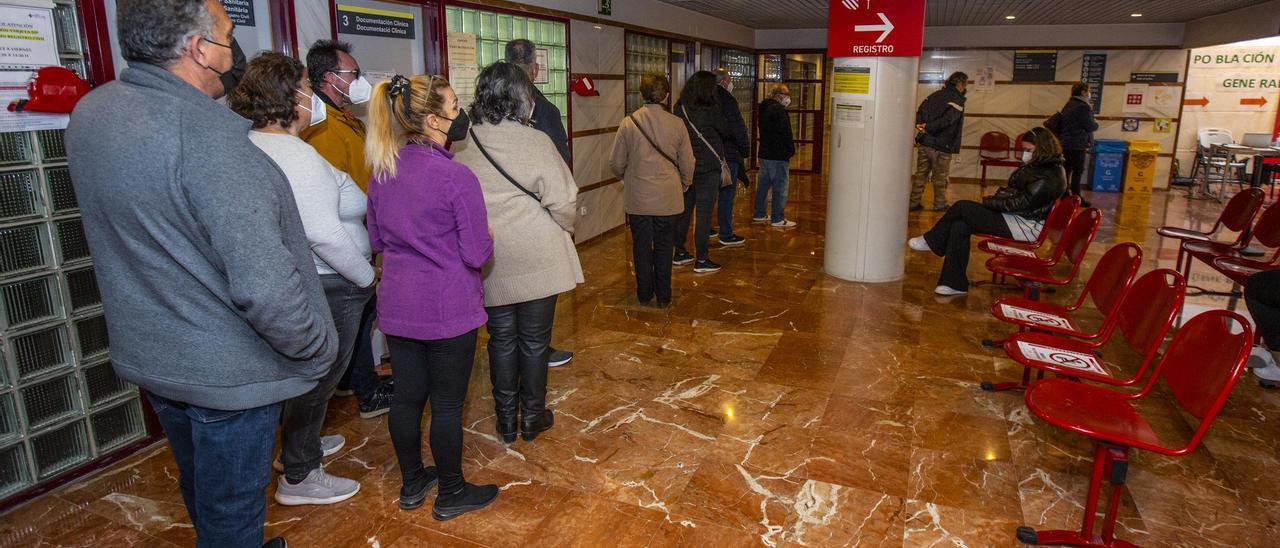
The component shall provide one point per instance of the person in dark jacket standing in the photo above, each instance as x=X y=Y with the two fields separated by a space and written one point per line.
x=212 y=299
x=545 y=118
x=776 y=149
x=1076 y=132
x=1016 y=211
x=736 y=147
x=701 y=114
x=939 y=126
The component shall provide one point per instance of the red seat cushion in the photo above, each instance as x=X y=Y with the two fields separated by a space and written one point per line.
x=1099 y=413
x=1209 y=248
x=1239 y=269
x=1022 y=267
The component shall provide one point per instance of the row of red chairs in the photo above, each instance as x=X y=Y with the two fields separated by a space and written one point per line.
x=1089 y=396
x=1229 y=258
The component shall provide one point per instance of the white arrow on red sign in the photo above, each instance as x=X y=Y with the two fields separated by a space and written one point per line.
x=884 y=28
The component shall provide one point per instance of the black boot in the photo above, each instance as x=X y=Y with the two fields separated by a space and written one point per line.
x=507 y=426
x=504 y=374
x=414 y=491
x=529 y=429
x=469 y=498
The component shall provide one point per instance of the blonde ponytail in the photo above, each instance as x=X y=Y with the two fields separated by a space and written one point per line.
x=397 y=115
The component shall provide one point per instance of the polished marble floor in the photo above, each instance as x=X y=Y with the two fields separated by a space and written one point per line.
x=771 y=405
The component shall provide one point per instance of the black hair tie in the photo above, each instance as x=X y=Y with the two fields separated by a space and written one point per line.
x=399 y=85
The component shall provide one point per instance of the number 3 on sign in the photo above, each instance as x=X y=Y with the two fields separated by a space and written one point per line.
x=345 y=21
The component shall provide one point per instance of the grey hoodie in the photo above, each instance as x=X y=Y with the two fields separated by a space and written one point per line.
x=210 y=293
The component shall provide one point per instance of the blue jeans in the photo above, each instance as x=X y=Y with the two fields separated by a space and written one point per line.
x=724 y=204
x=773 y=175
x=224 y=464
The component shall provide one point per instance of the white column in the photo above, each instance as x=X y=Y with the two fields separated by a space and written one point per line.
x=869 y=180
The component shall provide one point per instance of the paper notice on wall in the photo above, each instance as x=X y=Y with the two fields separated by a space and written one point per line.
x=854 y=79
x=1061 y=358
x=1135 y=97
x=462 y=50
x=463 y=81
x=544 y=66
x=13 y=87
x=851 y=113
x=1033 y=316
x=1163 y=97
x=27 y=40
x=985 y=79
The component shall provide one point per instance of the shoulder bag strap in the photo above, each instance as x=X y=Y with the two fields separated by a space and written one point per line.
x=504 y=173
x=655 y=145
x=699 y=133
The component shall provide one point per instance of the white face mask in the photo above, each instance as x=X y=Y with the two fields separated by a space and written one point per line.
x=358 y=91
x=728 y=86
x=1026 y=156
x=317 y=110
x=785 y=100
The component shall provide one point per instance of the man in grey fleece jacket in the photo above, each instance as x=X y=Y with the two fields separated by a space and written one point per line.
x=213 y=304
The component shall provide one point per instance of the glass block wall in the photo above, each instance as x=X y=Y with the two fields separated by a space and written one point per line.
x=742 y=68
x=645 y=55
x=493 y=30
x=61 y=404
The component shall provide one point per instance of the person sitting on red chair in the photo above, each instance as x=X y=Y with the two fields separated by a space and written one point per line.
x=1262 y=296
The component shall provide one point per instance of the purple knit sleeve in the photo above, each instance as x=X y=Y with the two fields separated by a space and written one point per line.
x=471 y=220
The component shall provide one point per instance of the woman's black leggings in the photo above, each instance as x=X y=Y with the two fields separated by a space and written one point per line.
x=1262 y=296
x=437 y=371
x=949 y=239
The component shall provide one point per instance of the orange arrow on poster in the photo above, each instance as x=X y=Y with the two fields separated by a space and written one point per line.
x=1201 y=102
x=1254 y=101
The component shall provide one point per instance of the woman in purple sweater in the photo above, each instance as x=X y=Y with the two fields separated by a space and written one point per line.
x=427 y=218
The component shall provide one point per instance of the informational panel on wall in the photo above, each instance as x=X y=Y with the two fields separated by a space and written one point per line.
x=27 y=43
x=1155 y=76
x=1093 y=71
x=853 y=91
x=240 y=12
x=1035 y=65
x=364 y=21
x=544 y=65
x=385 y=38
x=1135 y=98
x=985 y=79
x=464 y=66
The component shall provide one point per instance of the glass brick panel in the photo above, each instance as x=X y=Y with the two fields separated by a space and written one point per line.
x=19 y=195
x=117 y=426
x=14 y=475
x=15 y=148
x=76 y=66
x=50 y=401
x=61 y=449
x=10 y=422
x=52 y=147
x=30 y=301
x=72 y=245
x=62 y=196
x=91 y=333
x=103 y=385
x=68 y=31
x=82 y=289
x=23 y=248
x=40 y=351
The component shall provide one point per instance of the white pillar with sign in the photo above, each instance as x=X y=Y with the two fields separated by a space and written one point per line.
x=876 y=50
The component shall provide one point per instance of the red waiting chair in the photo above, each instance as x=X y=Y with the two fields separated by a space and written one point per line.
x=1143 y=317
x=1029 y=272
x=1105 y=288
x=1236 y=217
x=994 y=150
x=1266 y=232
x=1054 y=225
x=1202 y=365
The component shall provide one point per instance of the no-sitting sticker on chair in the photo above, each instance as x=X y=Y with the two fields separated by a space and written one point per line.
x=1061 y=358
x=1032 y=316
x=1009 y=250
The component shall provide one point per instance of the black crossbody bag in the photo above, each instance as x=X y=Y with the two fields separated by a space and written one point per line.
x=504 y=173
x=653 y=144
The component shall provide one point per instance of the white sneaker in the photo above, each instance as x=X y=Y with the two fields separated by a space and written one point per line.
x=1260 y=357
x=918 y=244
x=1268 y=373
x=759 y=219
x=320 y=487
x=946 y=291
x=783 y=224
x=329 y=445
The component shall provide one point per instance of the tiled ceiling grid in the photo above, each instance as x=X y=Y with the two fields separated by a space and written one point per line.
x=796 y=14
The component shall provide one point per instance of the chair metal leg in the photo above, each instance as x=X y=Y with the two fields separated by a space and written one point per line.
x=1111 y=462
x=1010 y=385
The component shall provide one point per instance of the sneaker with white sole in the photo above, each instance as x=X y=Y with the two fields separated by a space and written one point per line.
x=1270 y=373
x=732 y=241
x=1260 y=357
x=557 y=357
x=319 y=487
x=329 y=446
x=760 y=219
x=706 y=266
x=682 y=258
x=918 y=244
x=947 y=291
x=785 y=223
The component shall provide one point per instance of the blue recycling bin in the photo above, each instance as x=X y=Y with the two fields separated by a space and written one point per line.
x=1108 y=165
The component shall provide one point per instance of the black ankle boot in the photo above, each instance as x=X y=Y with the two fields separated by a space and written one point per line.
x=529 y=429
x=467 y=499
x=414 y=491
x=507 y=428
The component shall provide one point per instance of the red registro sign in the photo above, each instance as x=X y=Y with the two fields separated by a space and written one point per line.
x=875 y=28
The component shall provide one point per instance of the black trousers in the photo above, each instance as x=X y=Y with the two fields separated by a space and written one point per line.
x=698 y=200
x=949 y=239
x=652 y=244
x=519 y=339
x=1262 y=296
x=1075 y=166
x=437 y=371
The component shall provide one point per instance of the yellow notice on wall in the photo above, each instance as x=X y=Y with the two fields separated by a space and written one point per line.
x=853 y=80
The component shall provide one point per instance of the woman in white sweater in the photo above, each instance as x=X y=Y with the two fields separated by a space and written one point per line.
x=277 y=98
x=531 y=198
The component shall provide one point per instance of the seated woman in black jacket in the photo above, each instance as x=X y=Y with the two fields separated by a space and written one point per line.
x=1016 y=211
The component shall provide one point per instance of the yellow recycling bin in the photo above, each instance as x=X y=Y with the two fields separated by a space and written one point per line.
x=1141 y=171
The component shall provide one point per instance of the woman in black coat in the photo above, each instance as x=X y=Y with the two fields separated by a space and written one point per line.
x=702 y=116
x=1015 y=211
x=1076 y=132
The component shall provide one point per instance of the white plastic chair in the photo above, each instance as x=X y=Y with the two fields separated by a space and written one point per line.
x=1215 y=163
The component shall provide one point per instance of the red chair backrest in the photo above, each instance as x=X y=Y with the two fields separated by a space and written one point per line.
x=1267 y=229
x=1204 y=361
x=1079 y=233
x=1149 y=308
x=1240 y=210
x=1112 y=276
x=1059 y=217
x=994 y=145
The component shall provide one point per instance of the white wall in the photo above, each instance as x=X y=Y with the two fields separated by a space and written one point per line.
x=1002 y=36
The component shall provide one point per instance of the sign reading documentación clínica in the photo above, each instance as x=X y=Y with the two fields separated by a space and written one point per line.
x=875 y=28
x=375 y=22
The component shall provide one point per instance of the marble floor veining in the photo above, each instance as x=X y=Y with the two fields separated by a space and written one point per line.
x=771 y=405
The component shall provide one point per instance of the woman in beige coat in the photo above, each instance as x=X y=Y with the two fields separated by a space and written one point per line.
x=531 y=198
x=653 y=157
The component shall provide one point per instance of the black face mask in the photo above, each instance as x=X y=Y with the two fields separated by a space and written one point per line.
x=231 y=78
x=458 y=127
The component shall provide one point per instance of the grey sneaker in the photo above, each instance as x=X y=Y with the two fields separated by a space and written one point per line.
x=557 y=357
x=319 y=488
x=329 y=445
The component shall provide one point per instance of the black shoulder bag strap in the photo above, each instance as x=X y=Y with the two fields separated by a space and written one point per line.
x=653 y=144
x=504 y=173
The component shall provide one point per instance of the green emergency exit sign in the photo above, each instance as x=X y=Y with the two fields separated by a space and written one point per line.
x=606 y=7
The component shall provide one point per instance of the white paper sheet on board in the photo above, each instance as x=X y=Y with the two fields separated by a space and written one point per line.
x=1061 y=358
x=1033 y=316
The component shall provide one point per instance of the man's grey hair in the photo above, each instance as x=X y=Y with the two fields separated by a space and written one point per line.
x=722 y=76
x=522 y=52
x=156 y=32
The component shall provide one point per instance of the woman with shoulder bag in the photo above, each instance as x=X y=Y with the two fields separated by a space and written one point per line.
x=653 y=157
x=531 y=197
x=1076 y=125
x=705 y=122
x=1015 y=211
